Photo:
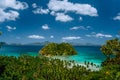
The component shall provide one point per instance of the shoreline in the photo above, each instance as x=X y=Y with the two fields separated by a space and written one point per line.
x=93 y=67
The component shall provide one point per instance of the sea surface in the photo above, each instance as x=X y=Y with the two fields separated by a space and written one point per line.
x=85 y=53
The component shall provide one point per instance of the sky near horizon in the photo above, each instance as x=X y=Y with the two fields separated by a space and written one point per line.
x=80 y=21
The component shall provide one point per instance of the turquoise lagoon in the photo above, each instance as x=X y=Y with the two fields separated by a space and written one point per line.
x=85 y=53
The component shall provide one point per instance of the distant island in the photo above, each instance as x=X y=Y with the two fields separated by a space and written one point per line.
x=53 y=49
x=47 y=42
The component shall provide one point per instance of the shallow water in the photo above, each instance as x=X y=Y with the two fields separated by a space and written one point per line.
x=85 y=53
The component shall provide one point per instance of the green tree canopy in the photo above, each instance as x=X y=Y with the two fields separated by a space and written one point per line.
x=111 y=48
x=58 y=49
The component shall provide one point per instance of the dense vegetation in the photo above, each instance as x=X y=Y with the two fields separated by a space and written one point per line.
x=43 y=68
x=58 y=49
x=111 y=48
x=39 y=68
x=112 y=51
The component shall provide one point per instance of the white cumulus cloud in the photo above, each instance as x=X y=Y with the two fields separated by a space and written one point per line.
x=45 y=27
x=14 y=4
x=10 y=15
x=63 y=17
x=117 y=17
x=51 y=36
x=80 y=18
x=36 y=37
x=9 y=9
x=9 y=28
x=66 y=6
x=34 y=5
x=102 y=35
x=53 y=13
x=71 y=38
x=99 y=35
x=41 y=11
x=80 y=27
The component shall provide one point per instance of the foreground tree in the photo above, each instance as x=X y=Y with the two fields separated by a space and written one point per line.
x=111 y=48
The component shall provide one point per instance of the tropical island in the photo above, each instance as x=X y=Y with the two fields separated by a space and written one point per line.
x=27 y=67
x=59 y=40
x=53 y=49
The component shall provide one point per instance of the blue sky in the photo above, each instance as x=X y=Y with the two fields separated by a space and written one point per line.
x=81 y=21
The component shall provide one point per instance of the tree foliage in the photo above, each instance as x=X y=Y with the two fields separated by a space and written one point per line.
x=58 y=49
x=43 y=68
x=111 y=48
x=39 y=68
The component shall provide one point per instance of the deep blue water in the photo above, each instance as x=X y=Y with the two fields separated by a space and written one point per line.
x=11 y=50
x=85 y=53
